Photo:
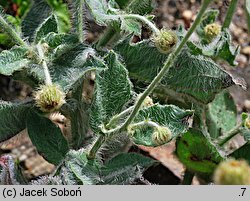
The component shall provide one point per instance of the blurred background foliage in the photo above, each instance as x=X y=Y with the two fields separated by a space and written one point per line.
x=16 y=10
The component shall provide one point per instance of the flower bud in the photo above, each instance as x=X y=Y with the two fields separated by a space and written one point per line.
x=247 y=123
x=49 y=98
x=161 y=135
x=212 y=30
x=147 y=101
x=232 y=172
x=165 y=40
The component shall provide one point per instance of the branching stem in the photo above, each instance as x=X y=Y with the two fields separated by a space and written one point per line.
x=230 y=135
x=165 y=68
x=144 y=20
x=80 y=23
x=48 y=80
x=157 y=79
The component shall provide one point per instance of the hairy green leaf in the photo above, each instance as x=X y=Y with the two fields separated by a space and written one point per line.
x=125 y=168
x=12 y=119
x=38 y=12
x=141 y=7
x=112 y=91
x=245 y=132
x=77 y=111
x=131 y=26
x=54 y=40
x=32 y=75
x=47 y=138
x=13 y=60
x=220 y=48
x=197 y=153
x=48 y=26
x=170 y=116
x=68 y=69
x=221 y=114
x=78 y=169
x=242 y=152
x=101 y=12
x=191 y=75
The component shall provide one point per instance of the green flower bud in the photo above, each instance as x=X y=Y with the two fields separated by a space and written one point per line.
x=165 y=41
x=49 y=98
x=247 y=123
x=147 y=101
x=212 y=30
x=161 y=135
x=232 y=172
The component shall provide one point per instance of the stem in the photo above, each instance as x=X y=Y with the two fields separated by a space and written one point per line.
x=110 y=32
x=230 y=135
x=106 y=37
x=11 y=32
x=80 y=20
x=188 y=178
x=48 y=80
x=115 y=118
x=230 y=13
x=167 y=64
x=144 y=20
x=97 y=145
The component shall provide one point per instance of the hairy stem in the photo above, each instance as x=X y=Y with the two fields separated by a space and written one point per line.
x=230 y=13
x=97 y=145
x=188 y=178
x=230 y=135
x=48 y=80
x=111 y=32
x=79 y=16
x=154 y=83
x=106 y=37
x=115 y=118
x=167 y=64
x=11 y=32
x=144 y=20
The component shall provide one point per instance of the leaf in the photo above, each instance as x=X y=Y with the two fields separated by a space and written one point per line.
x=191 y=75
x=101 y=12
x=79 y=169
x=141 y=7
x=131 y=26
x=13 y=60
x=125 y=168
x=47 y=138
x=221 y=114
x=68 y=68
x=220 y=48
x=245 y=132
x=12 y=119
x=197 y=153
x=48 y=26
x=54 y=39
x=32 y=75
x=112 y=91
x=77 y=111
x=170 y=116
x=38 y=12
x=242 y=153
x=208 y=18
